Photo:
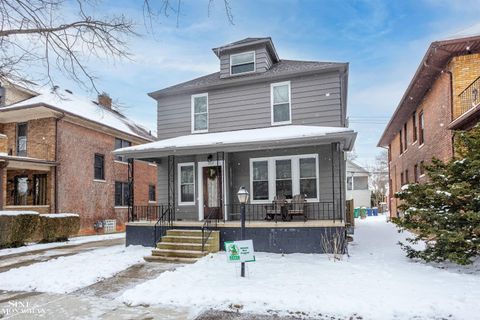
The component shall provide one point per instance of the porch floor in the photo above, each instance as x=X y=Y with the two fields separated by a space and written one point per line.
x=251 y=224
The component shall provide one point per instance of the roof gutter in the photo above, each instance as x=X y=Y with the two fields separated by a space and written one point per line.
x=233 y=82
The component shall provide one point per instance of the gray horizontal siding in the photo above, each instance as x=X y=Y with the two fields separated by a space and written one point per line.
x=237 y=173
x=248 y=106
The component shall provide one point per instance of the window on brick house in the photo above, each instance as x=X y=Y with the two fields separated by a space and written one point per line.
x=120 y=143
x=415 y=173
x=122 y=194
x=414 y=124
x=401 y=141
x=151 y=193
x=421 y=124
x=99 y=167
x=422 y=168
x=402 y=182
x=389 y=153
x=405 y=136
x=22 y=139
x=406 y=177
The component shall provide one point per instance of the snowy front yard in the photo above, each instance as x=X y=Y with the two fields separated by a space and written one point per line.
x=66 y=274
x=376 y=282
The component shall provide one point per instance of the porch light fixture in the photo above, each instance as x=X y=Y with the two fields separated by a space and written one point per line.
x=242 y=195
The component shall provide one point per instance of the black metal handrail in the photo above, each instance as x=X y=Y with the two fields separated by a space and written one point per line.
x=209 y=225
x=164 y=222
x=323 y=210
x=470 y=97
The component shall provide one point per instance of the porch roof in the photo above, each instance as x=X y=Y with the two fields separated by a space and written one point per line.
x=27 y=163
x=243 y=140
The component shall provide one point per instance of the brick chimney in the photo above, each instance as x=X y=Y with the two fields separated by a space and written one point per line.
x=104 y=100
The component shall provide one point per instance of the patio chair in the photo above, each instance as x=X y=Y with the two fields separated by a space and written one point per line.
x=297 y=207
x=277 y=208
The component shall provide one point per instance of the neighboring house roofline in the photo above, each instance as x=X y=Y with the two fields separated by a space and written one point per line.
x=61 y=111
x=248 y=42
x=262 y=77
x=438 y=55
x=357 y=166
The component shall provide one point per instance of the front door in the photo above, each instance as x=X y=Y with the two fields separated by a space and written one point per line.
x=212 y=192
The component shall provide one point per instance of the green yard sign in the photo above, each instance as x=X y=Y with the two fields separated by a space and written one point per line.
x=240 y=251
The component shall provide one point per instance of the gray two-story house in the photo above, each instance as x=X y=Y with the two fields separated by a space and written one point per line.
x=276 y=127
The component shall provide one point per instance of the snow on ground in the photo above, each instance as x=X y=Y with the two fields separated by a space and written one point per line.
x=66 y=274
x=376 y=282
x=70 y=242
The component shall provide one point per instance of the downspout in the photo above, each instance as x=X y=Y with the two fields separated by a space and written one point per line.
x=55 y=186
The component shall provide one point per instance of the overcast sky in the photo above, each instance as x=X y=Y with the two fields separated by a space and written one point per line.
x=383 y=41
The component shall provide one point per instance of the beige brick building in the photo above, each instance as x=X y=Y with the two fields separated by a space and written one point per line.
x=56 y=156
x=443 y=96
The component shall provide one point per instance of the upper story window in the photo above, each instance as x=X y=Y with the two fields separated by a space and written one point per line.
x=405 y=136
x=120 y=143
x=400 y=135
x=414 y=123
x=22 y=139
x=421 y=124
x=242 y=62
x=151 y=193
x=200 y=112
x=99 y=167
x=281 y=103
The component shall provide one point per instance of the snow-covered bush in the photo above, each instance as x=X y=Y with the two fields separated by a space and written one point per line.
x=444 y=212
x=58 y=227
x=16 y=227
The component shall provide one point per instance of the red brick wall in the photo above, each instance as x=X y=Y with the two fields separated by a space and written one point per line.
x=77 y=190
x=438 y=139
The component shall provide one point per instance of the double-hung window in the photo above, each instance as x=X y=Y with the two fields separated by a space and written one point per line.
x=186 y=183
x=151 y=193
x=242 y=62
x=200 y=112
x=421 y=133
x=22 y=139
x=120 y=143
x=281 y=103
x=122 y=194
x=99 y=167
x=260 y=180
x=284 y=176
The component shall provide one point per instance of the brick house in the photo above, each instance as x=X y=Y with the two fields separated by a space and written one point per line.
x=56 y=155
x=443 y=96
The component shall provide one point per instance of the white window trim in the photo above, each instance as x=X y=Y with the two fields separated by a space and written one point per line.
x=295 y=175
x=277 y=84
x=193 y=111
x=246 y=72
x=179 y=183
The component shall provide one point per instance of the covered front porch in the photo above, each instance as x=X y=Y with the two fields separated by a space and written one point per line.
x=26 y=184
x=295 y=178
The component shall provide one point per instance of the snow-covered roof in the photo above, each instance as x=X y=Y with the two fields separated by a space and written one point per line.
x=65 y=101
x=272 y=137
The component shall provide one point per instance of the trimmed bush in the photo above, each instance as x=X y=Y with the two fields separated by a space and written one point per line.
x=58 y=226
x=16 y=227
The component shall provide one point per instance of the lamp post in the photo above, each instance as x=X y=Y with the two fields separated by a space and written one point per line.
x=242 y=195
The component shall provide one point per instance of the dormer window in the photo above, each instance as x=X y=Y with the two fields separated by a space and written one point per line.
x=242 y=62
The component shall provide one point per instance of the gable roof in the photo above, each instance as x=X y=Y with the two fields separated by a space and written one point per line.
x=82 y=107
x=282 y=68
x=436 y=58
x=355 y=167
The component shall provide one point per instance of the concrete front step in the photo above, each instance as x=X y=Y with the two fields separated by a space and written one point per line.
x=169 y=259
x=178 y=253
x=186 y=239
x=184 y=232
x=182 y=246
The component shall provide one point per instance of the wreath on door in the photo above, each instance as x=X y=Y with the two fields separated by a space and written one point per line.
x=212 y=173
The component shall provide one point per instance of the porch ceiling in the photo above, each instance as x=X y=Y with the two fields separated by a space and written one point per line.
x=243 y=140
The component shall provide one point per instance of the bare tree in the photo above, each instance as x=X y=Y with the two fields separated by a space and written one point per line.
x=63 y=35
x=379 y=178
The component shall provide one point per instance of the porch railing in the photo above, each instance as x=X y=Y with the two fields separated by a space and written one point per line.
x=470 y=97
